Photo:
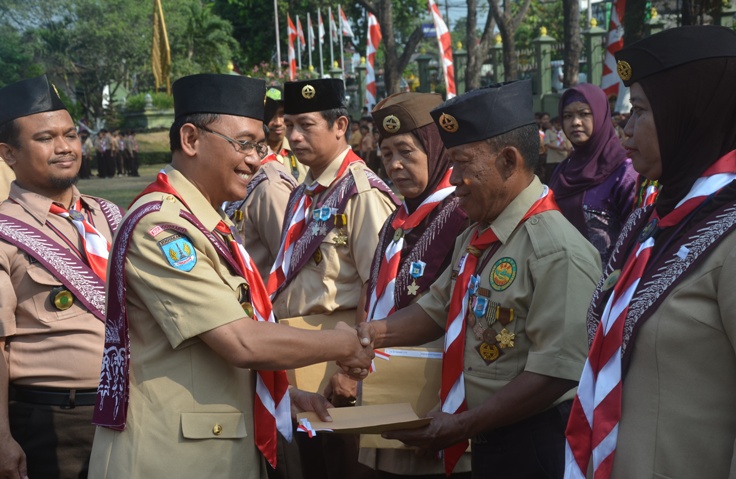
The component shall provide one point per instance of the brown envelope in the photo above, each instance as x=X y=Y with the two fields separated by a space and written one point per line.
x=315 y=378
x=367 y=419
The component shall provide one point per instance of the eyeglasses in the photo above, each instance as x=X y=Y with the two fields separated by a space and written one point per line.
x=247 y=147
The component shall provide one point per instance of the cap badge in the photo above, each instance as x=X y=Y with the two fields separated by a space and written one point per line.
x=448 y=123
x=391 y=124
x=624 y=70
x=308 y=92
x=55 y=90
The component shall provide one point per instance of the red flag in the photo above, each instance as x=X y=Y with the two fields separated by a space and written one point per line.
x=346 y=30
x=320 y=28
x=611 y=83
x=445 y=43
x=300 y=33
x=374 y=39
x=292 y=53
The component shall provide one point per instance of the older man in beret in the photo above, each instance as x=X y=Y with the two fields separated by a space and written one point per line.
x=54 y=245
x=656 y=398
x=192 y=381
x=517 y=289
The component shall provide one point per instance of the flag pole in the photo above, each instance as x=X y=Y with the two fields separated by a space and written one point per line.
x=310 y=40
x=342 y=49
x=298 y=45
x=278 y=41
x=332 y=50
x=319 y=43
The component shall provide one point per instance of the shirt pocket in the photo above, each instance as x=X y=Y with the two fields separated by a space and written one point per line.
x=213 y=425
x=42 y=284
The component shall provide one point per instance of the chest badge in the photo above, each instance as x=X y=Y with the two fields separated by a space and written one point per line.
x=503 y=274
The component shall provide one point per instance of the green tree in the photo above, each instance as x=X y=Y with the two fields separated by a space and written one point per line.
x=508 y=19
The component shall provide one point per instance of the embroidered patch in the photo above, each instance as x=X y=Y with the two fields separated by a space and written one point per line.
x=179 y=252
x=503 y=274
x=158 y=229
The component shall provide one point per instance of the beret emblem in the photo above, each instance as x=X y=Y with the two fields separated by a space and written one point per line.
x=308 y=92
x=391 y=124
x=448 y=123
x=624 y=70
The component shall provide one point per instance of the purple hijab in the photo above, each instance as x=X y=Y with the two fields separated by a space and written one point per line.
x=589 y=164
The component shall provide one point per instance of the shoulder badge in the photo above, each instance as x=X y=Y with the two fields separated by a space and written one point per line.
x=179 y=252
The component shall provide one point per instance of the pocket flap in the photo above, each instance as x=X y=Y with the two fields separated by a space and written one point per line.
x=41 y=275
x=213 y=425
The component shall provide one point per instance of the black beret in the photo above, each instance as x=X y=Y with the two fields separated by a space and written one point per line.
x=670 y=48
x=222 y=94
x=404 y=112
x=313 y=95
x=27 y=97
x=274 y=100
x=485 y=113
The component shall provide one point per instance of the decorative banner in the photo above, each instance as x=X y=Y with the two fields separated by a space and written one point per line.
x=346 y=30
x=310 y=33
x=300 y=33
x=445 y=44
x=160 y=52
x=333 y=27
x=320 y=28
x=374 y=39
x=611 y=83
x=292 y=54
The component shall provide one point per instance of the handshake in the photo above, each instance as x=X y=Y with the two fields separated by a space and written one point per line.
x=358 y=361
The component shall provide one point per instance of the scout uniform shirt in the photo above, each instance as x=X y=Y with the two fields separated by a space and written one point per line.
x=47 y=347
x=261 y=215
x=190 y=413
x=285 y=156
x=6 y=177
x=332 y=279
x=537 y=287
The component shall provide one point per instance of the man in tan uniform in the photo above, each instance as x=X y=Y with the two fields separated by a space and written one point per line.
x=276 y=137
x=331 y=228
x=52 y=289
x=517 y=289
x=6 y=177
x=182 y=397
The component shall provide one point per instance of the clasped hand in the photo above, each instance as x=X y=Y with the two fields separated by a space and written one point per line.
x=359 y=362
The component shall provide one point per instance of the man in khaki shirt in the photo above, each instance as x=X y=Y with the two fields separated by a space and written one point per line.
x=180 y=397
x=276 y=137
x=52 y=301
x=326 y=265
x=6 y=177
x=515 y=340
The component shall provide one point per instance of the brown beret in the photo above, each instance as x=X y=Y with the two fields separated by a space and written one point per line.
x=404 y=112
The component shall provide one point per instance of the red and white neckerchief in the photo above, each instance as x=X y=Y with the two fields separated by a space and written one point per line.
x=269 y=158
x=381 y=300
x=272 y=408
x=592 y=431
x=452 y=391
x=96 y=246
x=296 y=227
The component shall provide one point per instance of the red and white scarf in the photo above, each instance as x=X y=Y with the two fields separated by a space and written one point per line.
x=592 y=431
x=272 y=409
x=297 y=225
x=452 y=392
x=96 y=246
x=381 y=300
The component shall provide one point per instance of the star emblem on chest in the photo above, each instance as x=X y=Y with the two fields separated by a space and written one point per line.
x=413 y=289
x=315 y=230
x=505 y=338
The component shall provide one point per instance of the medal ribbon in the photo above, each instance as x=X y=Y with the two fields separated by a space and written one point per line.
x=96 y=247
x=297 y=225
x=452 y=391
x=272 y=409
x=596 y=412
x=381 y=298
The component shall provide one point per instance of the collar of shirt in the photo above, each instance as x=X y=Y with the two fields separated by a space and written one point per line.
x=38 y=205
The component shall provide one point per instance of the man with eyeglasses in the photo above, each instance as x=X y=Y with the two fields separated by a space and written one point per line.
x=192 y=381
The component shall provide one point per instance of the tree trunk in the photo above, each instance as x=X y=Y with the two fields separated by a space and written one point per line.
x=394 y=64
x=507 y=26
x=477 y=51
x=573 y=42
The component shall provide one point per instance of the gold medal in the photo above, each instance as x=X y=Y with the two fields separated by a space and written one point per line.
x=61 y=298
x=505 y=339
x=413 y=288
x=317 y=256
x=248 y=308
x=341 y=239
x=488 y=352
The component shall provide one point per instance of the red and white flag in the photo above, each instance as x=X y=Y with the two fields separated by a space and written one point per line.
x=292 y=53
x=300 y=33
x=374 y=39
x=333 y=28
x=310 y=33
x=611 y=83
x=320 y=28
x=445 y=44
x=346 y=30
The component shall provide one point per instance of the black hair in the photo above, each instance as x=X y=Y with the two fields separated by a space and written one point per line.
x=525 y=139
x=332 y=115
x=9 y=133
x=200 y=120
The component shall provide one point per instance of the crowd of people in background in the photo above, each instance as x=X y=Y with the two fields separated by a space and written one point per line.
x=112 y=153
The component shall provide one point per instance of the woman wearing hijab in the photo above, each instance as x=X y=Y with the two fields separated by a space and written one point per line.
x=656 y=398
x=595 y=187
x=415 y=246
